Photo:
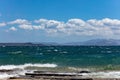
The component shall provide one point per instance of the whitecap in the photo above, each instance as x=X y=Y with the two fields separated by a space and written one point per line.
x=55 y=50
x=5 y=76
x=109 y=74
x=9 y=67
x=17 y=70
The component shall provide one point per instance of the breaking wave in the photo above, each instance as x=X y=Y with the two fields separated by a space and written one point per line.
x=7 y=71
x=8 y=67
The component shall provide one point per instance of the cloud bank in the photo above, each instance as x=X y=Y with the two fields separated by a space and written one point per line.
x=93 y=27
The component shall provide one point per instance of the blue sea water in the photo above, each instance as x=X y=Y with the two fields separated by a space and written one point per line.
x=22 y=59
x=66 y=56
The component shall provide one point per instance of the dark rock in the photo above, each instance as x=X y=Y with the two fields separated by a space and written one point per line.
x=5 y=70
x=49 y=74
x=84 y=72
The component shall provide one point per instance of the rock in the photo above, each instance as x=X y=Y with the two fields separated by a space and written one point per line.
x=5 y=70
x=84 y=72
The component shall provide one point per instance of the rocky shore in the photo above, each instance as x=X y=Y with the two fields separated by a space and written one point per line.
x=52 y=75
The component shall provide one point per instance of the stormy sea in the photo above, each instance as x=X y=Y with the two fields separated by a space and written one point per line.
x=102 y=61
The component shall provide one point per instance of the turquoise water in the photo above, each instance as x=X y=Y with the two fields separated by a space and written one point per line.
x=70 y=56
x=98 y=59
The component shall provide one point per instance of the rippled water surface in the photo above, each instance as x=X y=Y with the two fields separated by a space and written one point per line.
x=74 y=56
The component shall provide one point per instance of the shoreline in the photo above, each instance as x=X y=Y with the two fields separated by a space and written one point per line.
x=52 y=75
x=58 y=73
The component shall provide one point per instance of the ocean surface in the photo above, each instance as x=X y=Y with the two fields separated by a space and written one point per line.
x=24 y=58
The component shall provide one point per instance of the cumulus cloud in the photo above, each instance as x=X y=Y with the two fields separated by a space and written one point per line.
x=93 y=27
x=48 y=23
x=38 y=27
x=111 y=22
x=26 y=27
x=19 y=21
x=13 y=29
x=90 y=27
x=31 y=27
x=2 y=24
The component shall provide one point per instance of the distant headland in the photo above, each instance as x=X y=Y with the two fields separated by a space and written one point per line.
x=93 y=42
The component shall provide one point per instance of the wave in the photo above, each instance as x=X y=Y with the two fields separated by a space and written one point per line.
x=9 y=67
x=15 y=52
x=93 y=74
x=21 y=70
x=7 y=71
x=108 y=74
x=5 y=76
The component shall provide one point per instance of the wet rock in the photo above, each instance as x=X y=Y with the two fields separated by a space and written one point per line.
x=84 y=72
x=5 y=70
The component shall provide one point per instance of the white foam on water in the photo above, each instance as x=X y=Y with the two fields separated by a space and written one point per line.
x=100 y=74
x=109 y=74
x=5 y=76
x=55 y=50
x=20 y=69
x=9 y=67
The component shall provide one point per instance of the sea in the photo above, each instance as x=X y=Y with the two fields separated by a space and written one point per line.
x=102 y=61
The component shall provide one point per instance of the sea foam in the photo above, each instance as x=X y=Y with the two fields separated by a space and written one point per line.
x=9 y=67
x=5 y=76
x=17 y=70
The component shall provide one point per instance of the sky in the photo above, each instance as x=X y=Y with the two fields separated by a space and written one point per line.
x=59 y=20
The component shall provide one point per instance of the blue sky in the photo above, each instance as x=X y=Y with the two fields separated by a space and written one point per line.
x=58 y=20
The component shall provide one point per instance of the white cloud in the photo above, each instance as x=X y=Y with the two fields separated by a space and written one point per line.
x=31 y=27
x=48 y=23
x=41 y=21
x=38 y=27
x=111 y=22
x=26 y=27
x=19 y=21
x=95 y=22
x=104 y=22
x=2 y=24
x=93 y=27
x=51 y=31
x=76 y=22
x=13 y=29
